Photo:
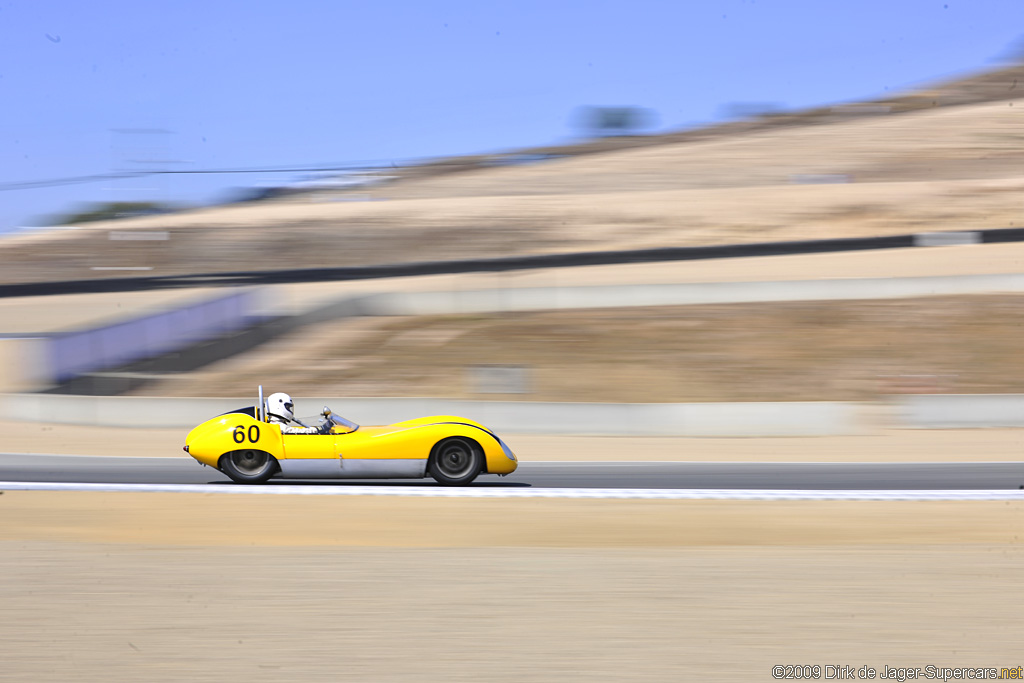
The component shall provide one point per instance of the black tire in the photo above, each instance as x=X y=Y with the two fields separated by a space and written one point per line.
x=248 y=466
x=456 y=461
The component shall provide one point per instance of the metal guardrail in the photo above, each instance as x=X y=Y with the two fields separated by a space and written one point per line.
x=508 y=263
x=75 y=353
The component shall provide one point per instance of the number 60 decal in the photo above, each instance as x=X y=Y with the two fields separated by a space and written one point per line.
x=239 y=434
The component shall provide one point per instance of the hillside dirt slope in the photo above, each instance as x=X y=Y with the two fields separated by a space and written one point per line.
x=796 y=351
x=814 y=175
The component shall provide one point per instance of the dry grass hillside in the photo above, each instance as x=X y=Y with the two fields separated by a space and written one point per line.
x=802 y=351
x=817 y=176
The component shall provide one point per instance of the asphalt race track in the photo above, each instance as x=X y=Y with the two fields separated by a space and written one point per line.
x=578 y=475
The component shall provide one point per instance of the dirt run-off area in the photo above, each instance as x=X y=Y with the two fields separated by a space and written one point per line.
x=175 y=587
x=802 y=351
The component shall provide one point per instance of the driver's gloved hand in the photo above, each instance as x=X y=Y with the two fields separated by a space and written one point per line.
x=325 y=428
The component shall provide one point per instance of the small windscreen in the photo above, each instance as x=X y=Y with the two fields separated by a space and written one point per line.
x=250 y=411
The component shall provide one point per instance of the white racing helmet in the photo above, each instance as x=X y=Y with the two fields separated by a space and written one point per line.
x=280 y=405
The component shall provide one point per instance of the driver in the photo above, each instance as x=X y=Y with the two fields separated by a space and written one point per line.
x=279 y=409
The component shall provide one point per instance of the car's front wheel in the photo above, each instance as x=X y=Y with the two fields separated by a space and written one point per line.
x=248 y=466
x=455 y=462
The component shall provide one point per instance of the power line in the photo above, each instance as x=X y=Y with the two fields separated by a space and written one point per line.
x=54 y=182
x=75 y=180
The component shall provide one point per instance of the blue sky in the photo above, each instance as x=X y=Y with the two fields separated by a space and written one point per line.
x=266 y=84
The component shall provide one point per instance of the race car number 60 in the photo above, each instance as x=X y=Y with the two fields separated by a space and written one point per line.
x=239 y=434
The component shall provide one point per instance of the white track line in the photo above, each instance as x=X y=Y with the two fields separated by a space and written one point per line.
x=587 y=463
x=515 y=492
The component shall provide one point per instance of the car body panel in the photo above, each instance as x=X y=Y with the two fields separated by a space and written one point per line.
x=306 y=446
x=398 y=450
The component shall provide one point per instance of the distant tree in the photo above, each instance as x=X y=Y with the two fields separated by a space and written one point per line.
x=748 y=110
x=609 y=121
x=105 y=211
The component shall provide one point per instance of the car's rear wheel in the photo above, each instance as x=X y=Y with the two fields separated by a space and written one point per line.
x=455 y=462
x=248 y=466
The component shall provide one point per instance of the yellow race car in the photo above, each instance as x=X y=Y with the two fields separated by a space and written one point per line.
x=250 y=449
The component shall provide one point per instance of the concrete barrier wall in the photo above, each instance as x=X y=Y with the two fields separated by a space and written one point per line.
x=542 y=298
x=606 y=419
x=961 y=411
x=600 y=419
